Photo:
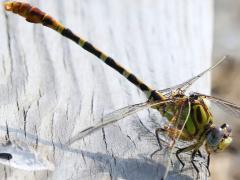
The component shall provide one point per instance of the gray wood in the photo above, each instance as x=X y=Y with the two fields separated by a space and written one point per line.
x=59 y=89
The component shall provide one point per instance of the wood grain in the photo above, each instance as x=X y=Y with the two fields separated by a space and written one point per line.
x=51 y=89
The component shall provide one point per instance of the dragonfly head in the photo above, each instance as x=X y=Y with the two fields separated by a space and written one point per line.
x=218 y=138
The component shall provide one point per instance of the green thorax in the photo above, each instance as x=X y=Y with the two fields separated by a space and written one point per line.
x=198 y=120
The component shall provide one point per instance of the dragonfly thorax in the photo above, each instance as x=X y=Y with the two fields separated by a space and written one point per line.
x=195 y=120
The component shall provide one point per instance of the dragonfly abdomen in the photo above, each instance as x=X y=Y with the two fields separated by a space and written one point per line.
x=35 y=15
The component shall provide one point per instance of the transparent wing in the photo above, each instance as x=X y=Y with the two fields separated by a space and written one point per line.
x=175 y=142
x=187 y=84
x=227 y=107
x=116 y=116
x=146 y=132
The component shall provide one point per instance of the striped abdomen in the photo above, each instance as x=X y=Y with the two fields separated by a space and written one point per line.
x=35 y=15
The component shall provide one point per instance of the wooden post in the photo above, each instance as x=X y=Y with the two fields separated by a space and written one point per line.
x=50 y=88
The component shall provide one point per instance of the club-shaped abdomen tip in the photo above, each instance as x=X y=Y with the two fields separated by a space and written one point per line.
x=8 y=6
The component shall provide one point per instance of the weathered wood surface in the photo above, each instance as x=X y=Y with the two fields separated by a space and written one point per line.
x=53 y=89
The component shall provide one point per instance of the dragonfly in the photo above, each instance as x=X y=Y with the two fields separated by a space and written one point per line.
x=189 y=117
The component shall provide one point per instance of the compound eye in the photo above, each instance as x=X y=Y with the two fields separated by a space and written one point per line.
x=215 y=136
x=224 y=125
x=227 y=129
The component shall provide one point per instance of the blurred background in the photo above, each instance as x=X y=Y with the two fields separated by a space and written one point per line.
x=226 y=81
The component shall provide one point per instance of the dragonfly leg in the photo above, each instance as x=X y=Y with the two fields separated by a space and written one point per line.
x=154 y=152
x=193 y=163
x=179 y=159
x=199 y=153
x=172 y=133
x=186 y=149
x=208 y=164
x=157 y=130
x=157 y=136
x=208 y=159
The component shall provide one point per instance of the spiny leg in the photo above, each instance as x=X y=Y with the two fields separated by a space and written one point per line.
x=208 y=159
x=193 y=163
x=159 y=142
x=175 y=132
x=186 y=149
x=157 y=130
x=157 y=136
x=35 y=15
x=208 y=164
x=179 y=159
x=166 y=129
x=199 y=153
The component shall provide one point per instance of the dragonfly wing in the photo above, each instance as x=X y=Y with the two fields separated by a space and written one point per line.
x=116 y=116
x=176 y=136
x=187 y=84
x=147 y=133
x=228 y=107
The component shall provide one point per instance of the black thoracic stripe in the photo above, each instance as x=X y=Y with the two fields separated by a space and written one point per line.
x=194 y=121
x=199 y=115
x=109 y=61
x=69 y=34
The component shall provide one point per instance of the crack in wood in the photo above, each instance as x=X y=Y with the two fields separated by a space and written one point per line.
x=104 y=139
x=4 y=65
x=52 y=135
x=36 y=142
x=9 y=45
x=5 y=173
